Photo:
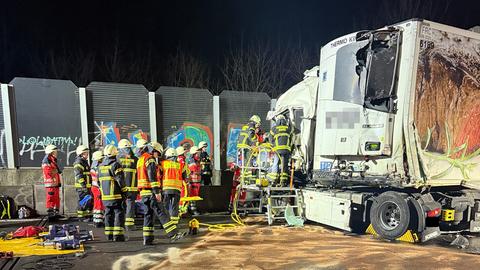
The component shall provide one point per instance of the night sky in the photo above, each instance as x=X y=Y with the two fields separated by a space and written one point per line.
x=206 y=29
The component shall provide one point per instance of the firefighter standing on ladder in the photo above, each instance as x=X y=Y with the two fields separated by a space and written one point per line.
x=129 y=164
x=247 y=139
x=280 y=138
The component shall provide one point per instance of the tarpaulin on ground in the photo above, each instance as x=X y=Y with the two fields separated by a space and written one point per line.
x=28 y=246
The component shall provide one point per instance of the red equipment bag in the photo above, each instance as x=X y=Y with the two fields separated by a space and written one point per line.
x=28 y=231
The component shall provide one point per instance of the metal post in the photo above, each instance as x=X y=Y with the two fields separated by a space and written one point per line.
x=7 y=119
x=216 y=136
x=82 y=95
x=153 y=116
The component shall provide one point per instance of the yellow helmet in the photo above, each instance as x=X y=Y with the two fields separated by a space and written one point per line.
x=170 y=153
x=110 y=150
x=256 y=119
x=180 y=150
x=157 y=147
x=81 y=149
x=141 y=143
x=97 y=155
x=202 y=144
x=193 y=150
x=50 y=148
x=124 y=143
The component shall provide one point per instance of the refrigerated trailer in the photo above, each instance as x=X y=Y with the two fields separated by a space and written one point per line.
x=387 y=131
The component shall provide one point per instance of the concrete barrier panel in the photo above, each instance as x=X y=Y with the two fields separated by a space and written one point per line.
x=22 y=195
x=40 y=196
x=70 y=200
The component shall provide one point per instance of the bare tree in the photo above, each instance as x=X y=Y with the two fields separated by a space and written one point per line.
x=185 y=70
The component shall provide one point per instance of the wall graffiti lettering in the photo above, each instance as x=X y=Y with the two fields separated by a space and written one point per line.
x=110 y=133
x=36 y=144
x=191 y=134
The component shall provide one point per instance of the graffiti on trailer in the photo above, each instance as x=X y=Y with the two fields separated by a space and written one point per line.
x=190 y=134
x=110 y=133
x=233 y=132
x=36 y=144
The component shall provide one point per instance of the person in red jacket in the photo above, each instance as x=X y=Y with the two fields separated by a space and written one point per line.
x=51 y=180
x=98 y=208
x=195 y=178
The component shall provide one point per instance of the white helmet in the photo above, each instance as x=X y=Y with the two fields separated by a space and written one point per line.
x=110 y=150
x=170 y=153
x=180 y=150
x=202 y=144
x=157 y=147
x=81 y=149
x=50 y=148
x=255 y=118
x=279 y=117
x=124 y=143
x=193 y=150
x=97 y=155
x=141 y=143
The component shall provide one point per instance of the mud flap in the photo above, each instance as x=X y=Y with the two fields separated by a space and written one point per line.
x=409 y=236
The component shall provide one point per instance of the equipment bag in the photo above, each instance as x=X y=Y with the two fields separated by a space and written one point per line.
x=8 y=210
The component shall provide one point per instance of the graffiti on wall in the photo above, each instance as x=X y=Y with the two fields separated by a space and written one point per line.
x=233 y=132
x=190 y=134
x=36 y=144
x=110 y=133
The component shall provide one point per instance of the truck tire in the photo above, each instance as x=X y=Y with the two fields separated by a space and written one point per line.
x=390 y=215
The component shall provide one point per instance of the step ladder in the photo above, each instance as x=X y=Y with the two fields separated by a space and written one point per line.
x=277 y=200
x=254 y=202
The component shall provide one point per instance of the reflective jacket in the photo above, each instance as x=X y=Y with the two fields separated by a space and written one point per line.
x=81 y=169
x=183 y=161
x=195 y=171
x=172 y=175
x=51 y=173
x=246 y=138
x=147 y=175
x=280 y=137
x=112 y=183
x=205 y=164
x=129 y=165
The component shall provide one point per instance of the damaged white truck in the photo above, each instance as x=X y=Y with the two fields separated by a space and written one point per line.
x=388 y=132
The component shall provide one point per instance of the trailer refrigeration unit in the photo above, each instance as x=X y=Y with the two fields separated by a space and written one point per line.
x=393 y=116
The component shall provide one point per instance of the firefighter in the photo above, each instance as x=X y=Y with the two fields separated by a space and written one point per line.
x=194 y=178
x=205 y=164
x=51 y=180
x=129 y=164
x=182 y=159
x=236 y=181
x=83 y=183
x=112 y=186
x=280 y=138
x=172 y=183
x=247 y=140
x=150 y=191
x=98 y=208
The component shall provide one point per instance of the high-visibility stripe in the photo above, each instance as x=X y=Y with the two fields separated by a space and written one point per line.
x=80 y=180
x=171 y=228
x=117 y=171
x=168 y=224
x=132 y=188
x=147 y=233
x=108 y=233
x=146 y=192
x=148 y=228
x=111 y=197
x=130 y=170
x=118 y=228
x=77 y=185
x=117 y=232
x=105 y=178
x=79 y=166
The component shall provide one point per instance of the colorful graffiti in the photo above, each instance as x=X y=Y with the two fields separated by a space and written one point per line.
x=191 y=134
x=110 y=133
x=233 y=132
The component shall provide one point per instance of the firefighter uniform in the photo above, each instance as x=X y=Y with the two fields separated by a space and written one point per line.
x=246 y=140
x=83 y=183
x=51 y=180
x=112 y=186
x=172 y=184
x=182 y=159
x=205 y=164
x=194 y=178
x=129 y=163
x=280 y=137
x=98 y=208
x=149 y=186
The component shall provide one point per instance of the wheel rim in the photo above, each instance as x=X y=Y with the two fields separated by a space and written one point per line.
x=390 y=217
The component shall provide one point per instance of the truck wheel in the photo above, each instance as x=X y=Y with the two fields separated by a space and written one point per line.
x=390 y=215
